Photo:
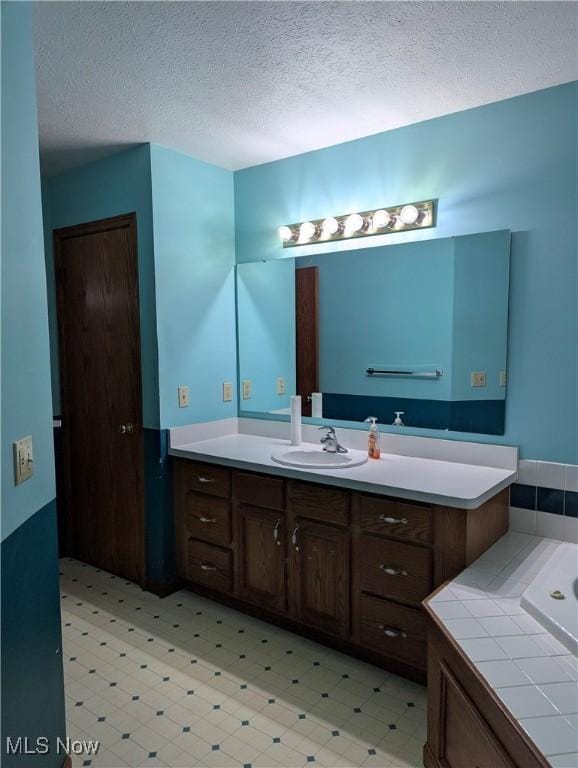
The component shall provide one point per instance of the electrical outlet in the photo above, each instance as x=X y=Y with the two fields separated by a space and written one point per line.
x=23 y=460
x=183 y=397
x=503 y=378
x=227 y=391
x=280 y=385
x=246 y=389
x=478 y=379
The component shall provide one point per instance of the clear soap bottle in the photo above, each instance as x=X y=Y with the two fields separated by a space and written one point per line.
x=373 y=450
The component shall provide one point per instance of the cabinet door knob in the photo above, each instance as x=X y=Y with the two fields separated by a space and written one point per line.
x=126 y=429
x=393 y=520
x=392 y=631
x=203 y=479
x=203 y=519
x=276 y=532
x=205 y=567
x=391 y=571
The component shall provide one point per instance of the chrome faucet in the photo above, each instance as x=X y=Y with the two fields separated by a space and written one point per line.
x=330 y=441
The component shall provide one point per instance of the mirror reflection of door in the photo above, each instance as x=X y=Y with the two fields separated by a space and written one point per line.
x=307 y=335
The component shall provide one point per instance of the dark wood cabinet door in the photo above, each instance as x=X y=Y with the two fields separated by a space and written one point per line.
x=262 y=557
x=466 y=738
x=320 y=571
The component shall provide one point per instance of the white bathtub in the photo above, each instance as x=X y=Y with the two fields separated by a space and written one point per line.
x=558 y=616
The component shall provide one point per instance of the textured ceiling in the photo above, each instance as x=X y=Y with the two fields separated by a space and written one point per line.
x=243 y=83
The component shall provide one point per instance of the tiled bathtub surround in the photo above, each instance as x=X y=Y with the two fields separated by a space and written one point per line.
x=544 y=501
x=530 y=671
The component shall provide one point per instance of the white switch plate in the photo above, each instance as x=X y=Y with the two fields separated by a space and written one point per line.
x=280 y=385
x=227 y=391
x=246 y=389
x=23 y=460
x=503 y=378
x=183 y=397
x=478 y=379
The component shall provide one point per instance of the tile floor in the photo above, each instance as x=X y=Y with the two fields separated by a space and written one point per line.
x=185 y=682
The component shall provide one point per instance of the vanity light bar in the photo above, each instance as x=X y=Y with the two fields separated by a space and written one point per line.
x=381 y=221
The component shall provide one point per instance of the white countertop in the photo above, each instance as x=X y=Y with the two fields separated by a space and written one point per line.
x=532 y=673
x=447 y=483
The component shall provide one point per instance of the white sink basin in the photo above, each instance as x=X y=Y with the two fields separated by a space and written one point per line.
x=316 y=458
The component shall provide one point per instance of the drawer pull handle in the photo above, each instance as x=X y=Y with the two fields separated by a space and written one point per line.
x=276 y=532
x=203 y=519
x=391 y=632
x=294 y=537
x=205 y=567
x=202 y=479
x=393 y=571
x=393 y=520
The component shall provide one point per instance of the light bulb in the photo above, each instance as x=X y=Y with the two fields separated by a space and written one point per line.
x=353 y=223
x=307 y=230
x=330 y=226
x=409 y=214
x=286 y=233
x=381 y=219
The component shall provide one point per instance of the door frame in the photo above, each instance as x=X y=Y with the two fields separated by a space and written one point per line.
x=124 y=221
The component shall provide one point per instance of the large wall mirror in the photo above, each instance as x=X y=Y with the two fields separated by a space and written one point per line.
x=419 y=328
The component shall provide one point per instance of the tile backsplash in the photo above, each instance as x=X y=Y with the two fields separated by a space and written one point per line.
x=544 y=501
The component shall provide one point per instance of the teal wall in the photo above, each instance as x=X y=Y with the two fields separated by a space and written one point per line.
x=32 y=678
x=480 y=313
x=118 y=184
x=186 y=254
x=508 y=165
x=26 y=396
x=194 y=252
x=266 y=331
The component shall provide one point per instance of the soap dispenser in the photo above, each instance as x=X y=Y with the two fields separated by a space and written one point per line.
x=373 y=450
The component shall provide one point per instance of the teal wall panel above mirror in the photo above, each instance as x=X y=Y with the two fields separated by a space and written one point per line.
x=436 y=305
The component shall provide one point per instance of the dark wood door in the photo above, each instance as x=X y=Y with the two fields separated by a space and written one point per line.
x=100 y=372
x=320 y=576
x=262 y=556
x=307 y=335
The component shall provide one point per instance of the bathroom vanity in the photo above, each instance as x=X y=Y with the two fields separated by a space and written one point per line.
x=318 y=553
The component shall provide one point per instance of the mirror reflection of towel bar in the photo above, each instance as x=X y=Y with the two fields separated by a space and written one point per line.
x=405 y=374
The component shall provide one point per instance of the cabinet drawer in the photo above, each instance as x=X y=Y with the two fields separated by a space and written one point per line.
x=392 y=569
x=206 y=478
x=209 y=565
x=208 y=518
x=260 y=490
x=396 y=518
x=393 y=630
x=319 y=503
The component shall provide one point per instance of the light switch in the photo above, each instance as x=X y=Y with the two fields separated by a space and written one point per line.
x=503 y=378
x=280 y=385
x=227 y=391
x=23 y=460
x=246 y=389
x=478 y=379
x=183 y=397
